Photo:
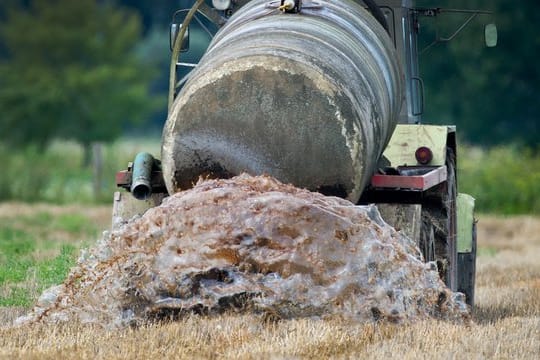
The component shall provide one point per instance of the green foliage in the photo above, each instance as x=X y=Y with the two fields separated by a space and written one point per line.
x=34 y=175
x=490 y=93
x=55 y=175
x=70 y=72
x=504 y=180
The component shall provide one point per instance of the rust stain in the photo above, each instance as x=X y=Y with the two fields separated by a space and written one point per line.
x=227 y=254
x=341 y=235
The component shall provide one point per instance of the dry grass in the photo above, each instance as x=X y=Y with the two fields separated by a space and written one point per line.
x=508 y=278
x=248 y=337
x=507 y=322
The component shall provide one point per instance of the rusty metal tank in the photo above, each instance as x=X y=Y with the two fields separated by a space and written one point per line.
x=310 y=98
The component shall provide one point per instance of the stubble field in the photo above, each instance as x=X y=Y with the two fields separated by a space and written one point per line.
x=506 y=319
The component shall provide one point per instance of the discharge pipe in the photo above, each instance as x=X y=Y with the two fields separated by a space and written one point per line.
x=141 y=186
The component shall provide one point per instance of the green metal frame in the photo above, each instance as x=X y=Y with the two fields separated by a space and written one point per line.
x=409 y=137
x=465 y=222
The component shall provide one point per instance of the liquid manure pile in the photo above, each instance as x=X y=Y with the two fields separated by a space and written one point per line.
x=251 y=244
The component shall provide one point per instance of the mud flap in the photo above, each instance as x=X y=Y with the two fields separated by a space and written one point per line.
x=466 y=229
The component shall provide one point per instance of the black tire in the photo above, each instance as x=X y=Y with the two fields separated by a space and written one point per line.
x=439 y=211
x=427 y=239
x=467 y=271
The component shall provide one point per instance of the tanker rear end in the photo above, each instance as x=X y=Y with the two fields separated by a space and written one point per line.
x=325 y=95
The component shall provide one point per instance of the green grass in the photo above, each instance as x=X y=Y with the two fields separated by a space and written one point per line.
x=33 y=259
x=16 y=296
x=53 y=271
x=14 y=270
x=23 y=279
x=14 y=242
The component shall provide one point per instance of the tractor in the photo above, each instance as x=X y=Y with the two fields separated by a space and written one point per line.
x=325 y=95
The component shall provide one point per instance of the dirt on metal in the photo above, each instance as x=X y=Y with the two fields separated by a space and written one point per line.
x=251 y=244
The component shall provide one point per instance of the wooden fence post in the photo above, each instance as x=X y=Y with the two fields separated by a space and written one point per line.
x=97 y=168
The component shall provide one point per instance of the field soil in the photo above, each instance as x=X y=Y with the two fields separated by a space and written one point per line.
x=506 y=318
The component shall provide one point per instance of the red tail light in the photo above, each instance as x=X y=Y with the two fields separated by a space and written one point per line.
x=423 y=155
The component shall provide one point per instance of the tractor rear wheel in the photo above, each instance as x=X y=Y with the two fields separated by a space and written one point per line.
x=467 y=271
x=439 y=212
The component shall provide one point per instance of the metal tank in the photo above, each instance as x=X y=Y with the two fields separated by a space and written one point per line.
x=309 y=98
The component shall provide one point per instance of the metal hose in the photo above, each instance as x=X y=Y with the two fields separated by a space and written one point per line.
x=375 y=10
x=176 y=50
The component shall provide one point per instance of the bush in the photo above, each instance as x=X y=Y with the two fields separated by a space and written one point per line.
x=504 y=180
x=56 y=174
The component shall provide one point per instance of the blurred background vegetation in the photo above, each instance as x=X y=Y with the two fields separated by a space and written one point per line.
x=78 y=73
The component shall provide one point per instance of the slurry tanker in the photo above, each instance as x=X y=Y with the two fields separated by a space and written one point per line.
x=325 y=95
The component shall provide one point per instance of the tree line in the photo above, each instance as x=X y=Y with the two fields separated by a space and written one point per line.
x=489 y=93
x=89 y=70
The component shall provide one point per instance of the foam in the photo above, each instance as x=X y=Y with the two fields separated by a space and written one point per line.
x=251 y=244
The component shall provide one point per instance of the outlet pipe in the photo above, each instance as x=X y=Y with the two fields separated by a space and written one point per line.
x=141 y=185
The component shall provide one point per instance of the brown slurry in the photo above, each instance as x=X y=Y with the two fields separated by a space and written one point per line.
x=251 y=244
